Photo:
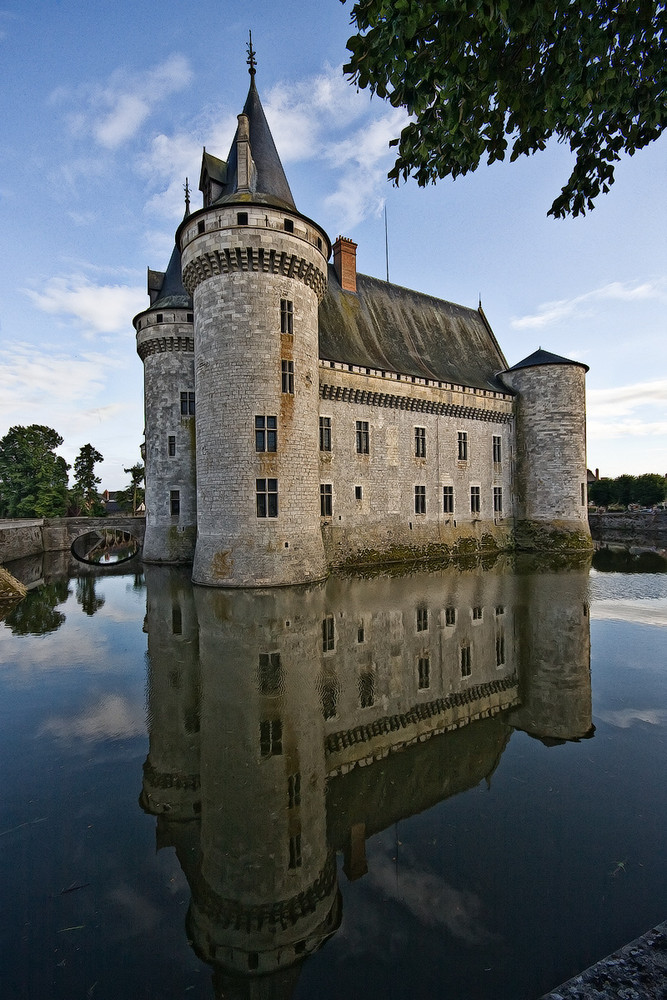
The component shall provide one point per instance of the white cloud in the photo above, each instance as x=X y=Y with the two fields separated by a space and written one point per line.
x=114 y=113
x=111 y=717
x=625 y=717
x=612 y=413
x=98 y=308
x=554 y=312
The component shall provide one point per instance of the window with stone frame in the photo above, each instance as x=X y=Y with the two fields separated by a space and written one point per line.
x=448 y=499
x=267 y=497
x=325 y=433
x=287 y=376
x=174 y=502
x=463 y=446
x=420 y=442
x=475 y=499
x=497 y=499
x=420 y=499
x=171 y=445
x=326 y=500
x=497 y=449
x=266 y=433
x=187 y=404
x=362 y=437
x=423 y=672
x=286 y=316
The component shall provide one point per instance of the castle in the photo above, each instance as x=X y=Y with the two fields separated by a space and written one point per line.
x=301 y=416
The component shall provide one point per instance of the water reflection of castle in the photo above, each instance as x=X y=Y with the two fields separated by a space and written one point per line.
x=289 y=725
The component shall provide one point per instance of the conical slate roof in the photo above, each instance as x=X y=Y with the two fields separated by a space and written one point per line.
x=541 y=357
x=172 y=293
x=271 y=185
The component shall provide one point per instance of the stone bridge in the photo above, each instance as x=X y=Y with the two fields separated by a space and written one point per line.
x=20 y=538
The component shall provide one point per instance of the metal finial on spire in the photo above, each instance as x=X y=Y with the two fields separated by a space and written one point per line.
x=186 y=188
x=252 y=62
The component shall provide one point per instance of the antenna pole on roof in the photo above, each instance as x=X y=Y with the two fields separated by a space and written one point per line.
x=386 y=241
x=252 y=62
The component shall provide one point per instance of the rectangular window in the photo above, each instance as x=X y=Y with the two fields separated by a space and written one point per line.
x=267 y=497
x=174 y=502
x=295 y=851
x=466 y=667
x=270 y=673
x=176 y=620
x=424 y=673
x=366 y=690
x=187 y=404
x=500 y=609
x=475 y=494
x=328 y=633
x=329 y=696
x=362 y=437
x=497 y=499
x=288 y=225
x=271 y=738
x=477 y=614
x=500 y=649
x=357 y=492
x=497 y=449
x=266 y=433
x=463 y=446
x=448 y=499
x=360 y=633
x=287 y=376
x=171 y=447
x=422 y=619
x=241 y=218
x=450 y=616
x=420 y=442
x=286 y=316
x=293 y=790
x=583 y=494
x=325 y=433
x=326 y=501
x=420 y=499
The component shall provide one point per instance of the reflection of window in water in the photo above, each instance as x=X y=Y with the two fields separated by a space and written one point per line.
x=293 y=790
x=176 y=620
x=466 y=668
x=500 y=609
x=360 y=632
x=500 y=649
x=477 y=614
x=270 y=674
x=295 y=851
x=450 y=616
x=330 y=689
x=424 y=672
x=422 y=619
x=366 y=689
x=327 y=633
x=271 y=738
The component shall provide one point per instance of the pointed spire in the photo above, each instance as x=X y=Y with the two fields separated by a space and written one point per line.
x=186 y=188
x=251 y=60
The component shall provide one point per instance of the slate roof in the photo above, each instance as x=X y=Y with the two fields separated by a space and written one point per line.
x=172 y=294
x=541 y=357
x=391 y=328
x=271 y=186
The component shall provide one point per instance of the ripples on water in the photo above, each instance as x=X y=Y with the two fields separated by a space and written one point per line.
x=398 y=787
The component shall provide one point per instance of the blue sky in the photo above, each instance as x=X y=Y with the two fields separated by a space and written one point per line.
x=105 y=109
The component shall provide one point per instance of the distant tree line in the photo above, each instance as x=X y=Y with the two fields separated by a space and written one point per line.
x=646 y=490
x=34 y=481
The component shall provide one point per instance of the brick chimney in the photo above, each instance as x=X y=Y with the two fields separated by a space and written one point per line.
x=345 y=263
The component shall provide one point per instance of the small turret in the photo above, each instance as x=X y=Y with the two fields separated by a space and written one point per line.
x=165 y=344
x=551 y=502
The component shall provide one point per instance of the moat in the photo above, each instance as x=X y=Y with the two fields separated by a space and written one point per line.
x=429 y=784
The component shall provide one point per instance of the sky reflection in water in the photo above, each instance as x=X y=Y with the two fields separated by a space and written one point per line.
x=421 y=853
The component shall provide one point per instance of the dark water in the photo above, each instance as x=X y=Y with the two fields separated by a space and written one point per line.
x=436 y=785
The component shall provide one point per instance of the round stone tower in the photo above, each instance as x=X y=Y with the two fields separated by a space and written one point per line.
x=165 y=344
x=551 y=501
x=256 y=270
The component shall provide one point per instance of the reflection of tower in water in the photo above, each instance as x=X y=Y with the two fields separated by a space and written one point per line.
x=288 y=725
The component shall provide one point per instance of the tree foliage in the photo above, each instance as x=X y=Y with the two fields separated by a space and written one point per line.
x=502 y=77
x=33 y=479
x=133 y=497
x=84 y=498
x=645 y=490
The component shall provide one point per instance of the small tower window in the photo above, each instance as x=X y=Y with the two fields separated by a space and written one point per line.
x=326 y=500
x=174 y=502
x=241 y=218
x=325 y=433
x=160 y=318
x=191 y=317
x=201 y=226
x=287 y=376
x=286 y=316
x=289 y=225
x=187 y=404
x=171 y=447
x=357 y=492
x=497 y=449
x=267 y=497
x=266 y=433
